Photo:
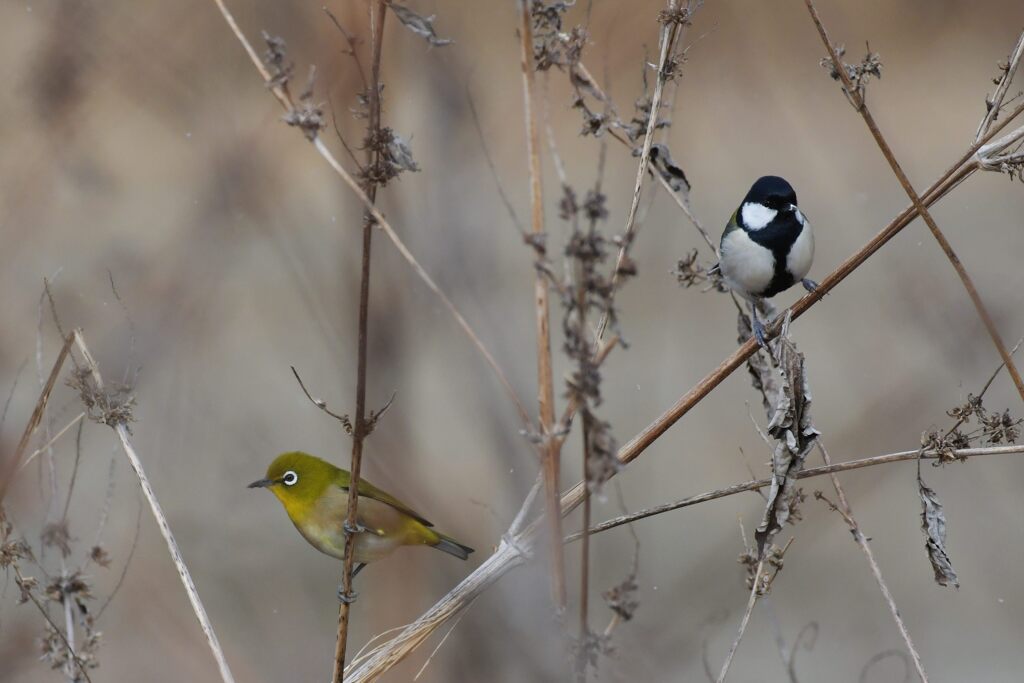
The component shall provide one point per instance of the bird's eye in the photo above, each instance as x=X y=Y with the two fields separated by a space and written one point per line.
x=289 y=478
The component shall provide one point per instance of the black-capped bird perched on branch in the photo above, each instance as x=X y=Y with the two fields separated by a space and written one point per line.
x=767 y=247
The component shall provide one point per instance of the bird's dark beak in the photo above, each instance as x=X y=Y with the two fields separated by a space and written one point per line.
x=261 y=483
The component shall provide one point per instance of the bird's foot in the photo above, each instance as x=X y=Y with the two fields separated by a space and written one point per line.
x=356 y=528
x=346 y=598
x=759 y=334
x=809 y=284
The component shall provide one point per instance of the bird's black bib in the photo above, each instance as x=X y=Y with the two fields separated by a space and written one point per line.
x=778 y=237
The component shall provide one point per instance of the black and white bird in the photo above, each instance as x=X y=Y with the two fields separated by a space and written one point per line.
x=767 y=247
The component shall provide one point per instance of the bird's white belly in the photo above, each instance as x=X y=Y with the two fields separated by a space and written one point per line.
x=747 y=267
x=801 y=254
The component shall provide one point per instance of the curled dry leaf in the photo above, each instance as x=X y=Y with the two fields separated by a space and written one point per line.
x=661 y=161
x=933 y=523
x=791 y=427
x=421 y=26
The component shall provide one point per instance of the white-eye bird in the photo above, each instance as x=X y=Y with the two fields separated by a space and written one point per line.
x=315 y=495
x=767 y=247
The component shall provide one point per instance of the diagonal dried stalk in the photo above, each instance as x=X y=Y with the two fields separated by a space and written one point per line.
x=360 y=428
x=856 y=97
x=121 y=429
x=996 y=102
x=36 y=417
x=582 y=74
x=550 y=452
x=409 y=639
x=751 y=601
x=844 y=509
x=284 y=98
x=670 y=32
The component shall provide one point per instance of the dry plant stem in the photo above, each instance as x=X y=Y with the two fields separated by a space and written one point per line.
x=46 y=615
x=513 y=550
x=36 y=417
x=669 y=31
x=158 y=514
x=680 y=202
x=359 y=430
x=54 y=439
x=507 y=556
x=545 y=380
x=847 y=513
x=921 y=209
x=382 y=223
x=743 y=624
x=1004 y=84
x=758 y=484
x=405 y=642
x=584 y=634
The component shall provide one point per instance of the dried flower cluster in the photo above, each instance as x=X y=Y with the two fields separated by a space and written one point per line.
x=690 y=272
x=112 y=406
x=589 y=291
x=392 y=157
x=773 y=558
x=992 y=428
x=870 y=66
x=552 y=46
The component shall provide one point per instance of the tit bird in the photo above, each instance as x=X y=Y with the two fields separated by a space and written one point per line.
x=315 y=495
x=767 y=247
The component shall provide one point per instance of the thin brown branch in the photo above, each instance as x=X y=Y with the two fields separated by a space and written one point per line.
x=846 y=512
x=860 y=105
x=378 y=12
x=757 y=484
x=996 y=102
x=285 y=100
x=123 y=436
x=320 y=403
x=545 y=380
x=11 y=467
x=584 y=628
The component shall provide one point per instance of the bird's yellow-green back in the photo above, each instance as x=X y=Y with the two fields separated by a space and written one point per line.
x=314 y=493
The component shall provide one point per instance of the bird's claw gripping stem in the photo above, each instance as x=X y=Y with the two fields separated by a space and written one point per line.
x=759 y=335
x=809 y=284
x=347 y=598
x=357 y=528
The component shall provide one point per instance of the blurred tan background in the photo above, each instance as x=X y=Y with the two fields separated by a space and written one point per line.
x=138 y=141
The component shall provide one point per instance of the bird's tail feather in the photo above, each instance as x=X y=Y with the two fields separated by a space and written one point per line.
x=452 y=547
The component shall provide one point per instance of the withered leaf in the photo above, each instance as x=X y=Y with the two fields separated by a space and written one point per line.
x=791 y=427
x=661 y=161
x=421 y=26
x=933 y=523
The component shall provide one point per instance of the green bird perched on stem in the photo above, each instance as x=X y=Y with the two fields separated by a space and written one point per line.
x=315 y=495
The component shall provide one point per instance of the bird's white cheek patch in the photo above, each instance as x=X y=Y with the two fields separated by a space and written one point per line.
x=748 y=267
x=757 y=216
x=801 y=254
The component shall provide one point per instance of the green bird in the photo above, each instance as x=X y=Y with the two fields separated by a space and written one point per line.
x=315 y=495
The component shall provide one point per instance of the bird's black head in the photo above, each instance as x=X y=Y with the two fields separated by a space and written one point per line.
x=771 y=191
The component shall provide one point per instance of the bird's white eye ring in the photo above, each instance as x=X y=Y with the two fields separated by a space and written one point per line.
x=289 y=478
